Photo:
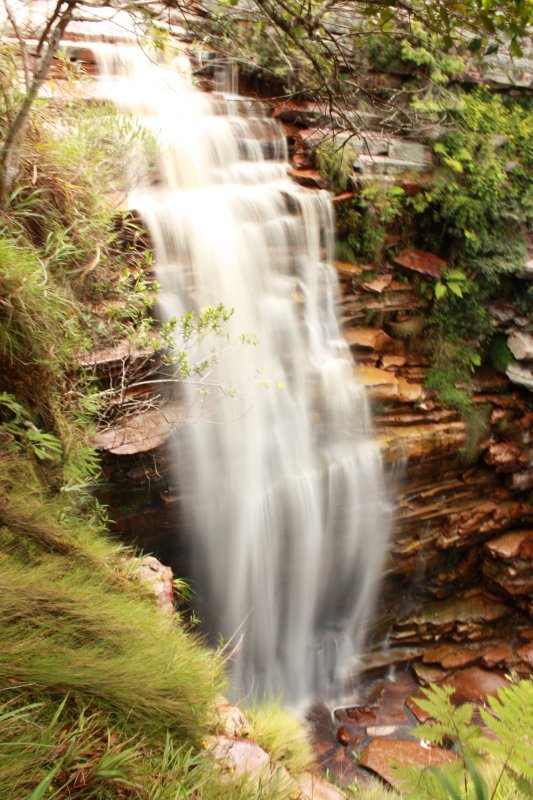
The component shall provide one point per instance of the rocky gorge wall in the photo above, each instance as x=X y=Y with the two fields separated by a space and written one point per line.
x=458 y=583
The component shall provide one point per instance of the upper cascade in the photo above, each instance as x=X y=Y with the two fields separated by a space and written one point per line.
x=280 y=471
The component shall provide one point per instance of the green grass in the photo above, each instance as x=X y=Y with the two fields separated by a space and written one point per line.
x=278 y=732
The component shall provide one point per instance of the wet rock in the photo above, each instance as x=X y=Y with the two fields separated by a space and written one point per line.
x=525 y=654
x=512 y=545
x=451 y=656
x=342 y=736
x=421 y=262
x=427 y=675
x=416 y=710
x=474 y=684
x=508 y=563
x=500 y=655
x=308 y=178
x=381 y=754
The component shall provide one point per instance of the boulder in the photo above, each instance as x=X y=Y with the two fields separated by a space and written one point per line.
x=231 y=719
x=157 y=579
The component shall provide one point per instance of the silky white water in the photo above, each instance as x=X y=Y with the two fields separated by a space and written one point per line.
x=277 y=463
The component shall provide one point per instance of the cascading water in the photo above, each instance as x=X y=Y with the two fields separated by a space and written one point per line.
x=279 y=468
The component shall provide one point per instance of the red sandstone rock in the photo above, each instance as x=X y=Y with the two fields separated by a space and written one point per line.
x=512 y=545
x=380 y=755
x=344 y=267
x=451 y=656
x=309 y=178
x=474 y=684
x=498 y=655
x=342 y=736
x=504 y=457
x=525 y=654
x=371 y=338
x=421 y=262
x=419 y=713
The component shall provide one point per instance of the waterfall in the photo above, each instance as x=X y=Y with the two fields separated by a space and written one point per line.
x=277 y=463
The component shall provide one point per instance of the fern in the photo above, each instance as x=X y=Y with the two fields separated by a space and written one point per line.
x=511 y=720
x=502 y=751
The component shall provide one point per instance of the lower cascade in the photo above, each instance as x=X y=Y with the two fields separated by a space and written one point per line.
x=279 y=470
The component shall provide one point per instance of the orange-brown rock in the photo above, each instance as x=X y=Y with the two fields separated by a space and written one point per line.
x=500 y=655
x=309 y=178
x=505 y=457
x=451 y=656
x=368 y=338
x=385 y=385
x=389 y=361
x=381 y=754
x=421 y=262
x=474 y=684
x=525 y=654
x=512 y=545
x=486 y=519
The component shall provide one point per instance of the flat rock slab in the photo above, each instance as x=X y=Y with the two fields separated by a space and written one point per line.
x=512 y=545
x=381 y=754
x=368 y=338
x=141 y=432
x=420 y=261
x=474 y=684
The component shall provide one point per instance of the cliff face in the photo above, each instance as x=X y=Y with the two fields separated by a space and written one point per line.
x=458 y=585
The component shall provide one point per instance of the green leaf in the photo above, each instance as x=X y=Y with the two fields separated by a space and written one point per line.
x=456 y=289
x=482 y=790
x=493 y=47
x=40 y=790
x=298 y=30
x=475 y=44
x=443 y=780
x=440 y=290
x=455 y=275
